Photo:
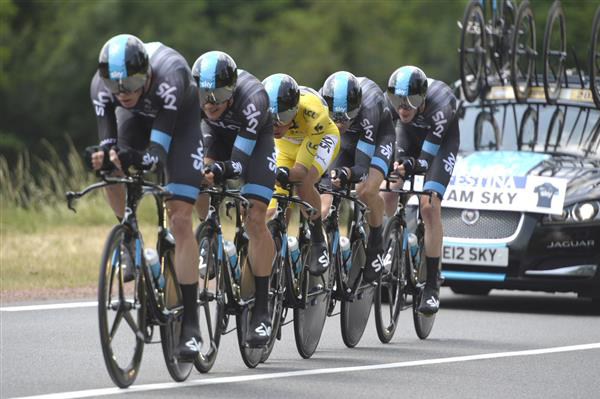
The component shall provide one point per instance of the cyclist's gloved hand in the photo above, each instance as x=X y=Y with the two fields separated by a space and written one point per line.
x=341 y=174
x=414 y=166
x=91 y=150
x=283 y=176
x=224 y=170
x=133 y=161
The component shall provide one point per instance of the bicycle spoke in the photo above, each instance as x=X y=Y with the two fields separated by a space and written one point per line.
x=116 y=323
x=130 y=321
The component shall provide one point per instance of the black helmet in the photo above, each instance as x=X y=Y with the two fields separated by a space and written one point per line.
x=123 y=64
x=343 y=95
x=215 y=73
x=284 y=96
x=407 y=87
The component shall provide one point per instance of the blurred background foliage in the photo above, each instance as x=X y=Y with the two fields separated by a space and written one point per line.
x=49 y=49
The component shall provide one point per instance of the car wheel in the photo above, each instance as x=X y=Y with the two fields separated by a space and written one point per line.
x=471 y=290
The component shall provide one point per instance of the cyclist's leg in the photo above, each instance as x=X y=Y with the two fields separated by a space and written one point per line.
x=184 y=178
x=368 y=192
x=258 y=188
x=436 y=181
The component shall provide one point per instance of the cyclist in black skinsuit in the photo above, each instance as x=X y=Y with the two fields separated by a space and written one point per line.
x=362 y=115
x=427 y=129
x=238 y=136
x=146 y=105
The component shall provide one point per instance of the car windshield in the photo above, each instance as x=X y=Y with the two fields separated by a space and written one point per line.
x=531 y=127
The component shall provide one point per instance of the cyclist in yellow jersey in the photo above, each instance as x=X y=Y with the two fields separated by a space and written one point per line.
x=306 y=143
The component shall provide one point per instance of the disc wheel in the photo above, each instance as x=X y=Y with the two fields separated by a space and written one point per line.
x=121 y=311
x=423 y=322
x=555 y=52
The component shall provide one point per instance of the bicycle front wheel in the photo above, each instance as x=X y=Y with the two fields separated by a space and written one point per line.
x=122 y=342
x=211 y=303
x=171 y=331
x=389 y=296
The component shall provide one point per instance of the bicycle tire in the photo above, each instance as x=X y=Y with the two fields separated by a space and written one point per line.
x=309 y=321
x=110 y=269
x=473 y=27
x=557 y=120
x=521 y=74
x=423 y=322
x=530 y=113
x=355 y=315
x=552 y=84
x=170 y=332
x=250 y=356
x=277 y=284
x=211 y=303
x=392 y=281
x=595 y=59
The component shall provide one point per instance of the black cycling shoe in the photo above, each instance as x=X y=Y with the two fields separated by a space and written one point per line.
x=430 y=300
x=318 y=259
x=189 y=346
x=375 y=264
x=259 y=331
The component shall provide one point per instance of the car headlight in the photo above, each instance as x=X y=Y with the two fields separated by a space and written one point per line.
x=577 y=213
x=585 y=211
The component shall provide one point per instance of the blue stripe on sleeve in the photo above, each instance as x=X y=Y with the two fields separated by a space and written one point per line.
x=381 y=164
x=161 y=138
x=116 y=57
x=258 y=190
x=244 y=145
x=208 y=69
x=435 y=186
x=430 y=148
x=183 y=190
x=365 y=147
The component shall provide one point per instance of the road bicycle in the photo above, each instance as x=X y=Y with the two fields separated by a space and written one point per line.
x=346 y=270
x=403 y=279
x=306 y=294
x=129 y=311
x=229 y=288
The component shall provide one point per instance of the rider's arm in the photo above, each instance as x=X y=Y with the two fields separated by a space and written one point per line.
x=104 y=108
x=255 y=118
x=440 y=121
x=365 y=148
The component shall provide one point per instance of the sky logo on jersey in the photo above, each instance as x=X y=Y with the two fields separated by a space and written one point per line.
x=251 y=113
x=116 y=57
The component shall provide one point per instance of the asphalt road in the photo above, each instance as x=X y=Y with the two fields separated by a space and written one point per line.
x=509 y=344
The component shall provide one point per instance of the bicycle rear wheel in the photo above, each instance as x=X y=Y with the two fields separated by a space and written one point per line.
x=211 y=304
x=523 y=52
x=472 y=50
x=355 y=315
x=309 y=321
x=171 y=331
x=389 y=296
x=122 y=347
x=555 y=52
x=423 y=322
x=595 y=59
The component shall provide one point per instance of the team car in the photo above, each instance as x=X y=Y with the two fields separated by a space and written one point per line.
x=522 y=209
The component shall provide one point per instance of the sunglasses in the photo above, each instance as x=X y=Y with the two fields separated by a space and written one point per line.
x=405 y=102
x=216 y=96
x=284 y=117
x=126 y=85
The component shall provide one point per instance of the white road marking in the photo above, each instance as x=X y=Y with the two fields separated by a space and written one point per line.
x=52 y=306
x=255 y=377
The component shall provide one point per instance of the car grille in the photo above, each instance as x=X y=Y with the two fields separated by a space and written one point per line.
x=490 y=225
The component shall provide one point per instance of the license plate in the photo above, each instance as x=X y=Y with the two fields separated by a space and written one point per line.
x=482 y=256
